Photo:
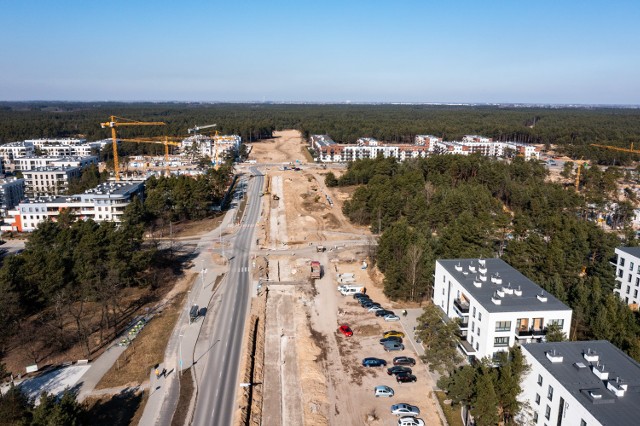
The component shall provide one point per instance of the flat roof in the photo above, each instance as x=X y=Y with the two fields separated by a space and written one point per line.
x=576 y=376
x=633 y=251
x=511 y=278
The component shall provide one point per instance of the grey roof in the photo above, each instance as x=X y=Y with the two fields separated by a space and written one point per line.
x=633 y=251
x=527 y=301
x=578 y=381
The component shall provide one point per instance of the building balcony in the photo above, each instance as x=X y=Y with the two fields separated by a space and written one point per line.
x=461 y=306
x=466 y=347
x=464 y=323
x=531 y=332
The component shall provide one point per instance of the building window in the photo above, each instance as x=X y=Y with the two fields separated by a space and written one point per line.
x=474 y=311
x=547 y=412
x=539 y=379
x=504 y=341
x=535 y=417
x=583 y=423
x=622 y=261
x=550 y=393
x=559 y=322
x=628 y=290
x=473 y=327
x=620 y=273
x=635 y=293
x=478 y=331
x=477 y=346
x=629 y=278
x=538 y=399
x=479 y=316
x=503 y=325
x=637 y=282
x=631 y=266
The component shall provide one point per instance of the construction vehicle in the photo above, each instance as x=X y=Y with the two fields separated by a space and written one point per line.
x=166 y=142
x=115 y=122
x=320 y=249
x=275 y=197
x=316 y=270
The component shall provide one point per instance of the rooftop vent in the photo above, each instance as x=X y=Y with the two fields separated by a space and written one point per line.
x=500 y=292
x=599 y=371
x=518 y=291
x=595 y=394
x=591 y=355
x=483 y=268
x=477 y=283
x=496 y=299
x=483 y=277
x=496 y=279
x=472 y=268
x=554 y=356
x=465 y=273
x=542 y=297
x=617 y=387
x=458 y=267
x=508 y=289
x=579 y=366
x=482 y=262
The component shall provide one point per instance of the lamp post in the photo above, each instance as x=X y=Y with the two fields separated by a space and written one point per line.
x=180 y=353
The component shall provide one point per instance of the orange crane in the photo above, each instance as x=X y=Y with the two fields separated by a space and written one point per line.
x=115 y=122
x=166 y=142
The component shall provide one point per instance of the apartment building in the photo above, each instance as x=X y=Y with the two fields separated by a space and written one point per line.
x=497 y=306
x=45 y=181
x=587 y=383
x=13 y=150
x=426 y=140
x=212 y=147
x=106 y=202
x=33 y=162
x=11 y=193
x=628 y=275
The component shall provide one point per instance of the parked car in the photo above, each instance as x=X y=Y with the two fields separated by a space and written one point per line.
x=397 y=369
x=390 y=339
x=365 y=301
x=393 y=333
x=393 y=346
x=375 y=308
x=405 y=410
x=391 y=317
x=410 y=421
x=346 y=330
x=374 y=362
x=405 y=378
x=404 y=360
x=383 y=312
x=383 y=391
x=360 y=296
x=370 y=304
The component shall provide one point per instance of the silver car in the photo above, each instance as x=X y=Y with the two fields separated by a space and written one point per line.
x=383 y=391
x=391 y=317
x=405 y=410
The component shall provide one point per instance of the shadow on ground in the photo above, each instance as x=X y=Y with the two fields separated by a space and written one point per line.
x=118 y=410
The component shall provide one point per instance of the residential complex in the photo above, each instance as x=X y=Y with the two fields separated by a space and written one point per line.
x=215 y=147
x=628 y=275
x=11 y=193
x=424 y=145
x=11 y=151
x=497 y=306
x=580 y=384
x=45 y=181
x=106 y=202
x=33 y=162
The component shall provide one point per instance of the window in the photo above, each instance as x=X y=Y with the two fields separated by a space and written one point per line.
x=503 y=325
x=504 y=341
x=631 y=266
x=583 y=423
x=620 y=273
x=635 y=293
x=474 y=311
x=473 y=327
x=547 y=412
x=559 y=322
x=622 y=261
x=629 y=278
x=550 y=393
x=478 y=330
x=637 y=282
x=537 y=399
x=628 y=289
x=477 y=346
x=479 y=316
x=535 y=417
x=539 y=379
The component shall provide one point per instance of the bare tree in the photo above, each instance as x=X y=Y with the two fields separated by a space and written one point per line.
x=414 y=255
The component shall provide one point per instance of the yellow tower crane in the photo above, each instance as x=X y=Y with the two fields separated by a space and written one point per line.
x=166 y=142
x=617 y=148
x=115 y=122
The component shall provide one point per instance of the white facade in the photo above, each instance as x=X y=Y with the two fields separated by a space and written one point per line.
x=497 y=306
x=11 y=193
x=55 y=141
x=10 y=151
x=580 y=384
x=49 y=180
x=33 y=162
x=628 y=275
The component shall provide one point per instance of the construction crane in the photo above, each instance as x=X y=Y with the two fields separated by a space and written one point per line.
x=166 y=142
x=196 y=129
x=617 y=148
x=115 y=122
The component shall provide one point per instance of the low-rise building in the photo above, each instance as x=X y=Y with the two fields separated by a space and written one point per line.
x=497 y=306
x=106 y=202
x=588 y=383
x=46 y=181
x=628 y=275
x=11 y=193
x=33 y=162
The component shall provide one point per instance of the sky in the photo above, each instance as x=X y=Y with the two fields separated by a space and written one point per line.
x=507 y=51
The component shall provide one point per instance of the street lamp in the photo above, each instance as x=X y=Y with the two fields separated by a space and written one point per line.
x=180 y=352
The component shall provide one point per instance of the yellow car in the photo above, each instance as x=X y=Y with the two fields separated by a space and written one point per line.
x=393 y=333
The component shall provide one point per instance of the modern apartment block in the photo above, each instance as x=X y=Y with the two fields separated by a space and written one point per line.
x=11 y=193
x=497 y=306
x=106 y=202
x=33 y=162
x=212 y=147
x=628 y=275
x=46 y=181
x=13 y=150
x=580 y=384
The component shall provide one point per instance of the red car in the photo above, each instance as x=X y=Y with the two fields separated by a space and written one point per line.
x=346 y=330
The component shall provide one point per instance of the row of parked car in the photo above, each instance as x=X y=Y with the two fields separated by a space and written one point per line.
x=371 y=306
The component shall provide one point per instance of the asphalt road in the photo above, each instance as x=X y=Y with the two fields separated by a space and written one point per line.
x=218 y=386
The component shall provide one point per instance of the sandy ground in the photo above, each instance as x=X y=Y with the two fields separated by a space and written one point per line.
x=302 y=318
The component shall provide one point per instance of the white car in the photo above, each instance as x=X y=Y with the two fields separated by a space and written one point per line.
x=391 y=317
x=375 y=308
x=405 y=410
x=383 y=391
x=410 y=421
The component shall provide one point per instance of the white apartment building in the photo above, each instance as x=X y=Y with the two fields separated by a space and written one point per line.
x=39 y=143
x=45 y=181
x=628 y=275
x=106 y=202
x=212 y=147
x=427 y=140
x=497 y=305
x=587 y=383
x=33 y=162
x=11 y=193
x=13 y=150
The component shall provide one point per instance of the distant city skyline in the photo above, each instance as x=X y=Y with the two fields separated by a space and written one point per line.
x=566 y=52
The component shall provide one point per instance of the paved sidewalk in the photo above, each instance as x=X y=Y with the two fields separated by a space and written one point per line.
x=98 y=368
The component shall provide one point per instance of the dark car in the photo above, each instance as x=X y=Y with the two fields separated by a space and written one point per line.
x=390 y=339
x=373 y=362
x=383 y=312
x=361 y=296
x=406 y=378
x=404 y=360
x=370 y=304
x=364 y=301
x=396 y=369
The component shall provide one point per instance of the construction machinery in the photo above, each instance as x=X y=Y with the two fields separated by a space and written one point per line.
x=196 y=129
x=166 y=142
x=115 y=122
x=617 y=148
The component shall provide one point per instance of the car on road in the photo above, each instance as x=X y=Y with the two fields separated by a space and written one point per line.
x=390 y=339
x=383 y=391
x=346 y=330
x=393 y=346
x=406 y=378
x=393 y=333
x=391 y=317
x=410 y=421
x=404 y=360
x=405 y=410
x=374 y=362
x=383 y=312
x=397 y=369
x=375 y=308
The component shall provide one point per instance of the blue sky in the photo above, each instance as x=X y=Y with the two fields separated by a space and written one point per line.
x=549 y=51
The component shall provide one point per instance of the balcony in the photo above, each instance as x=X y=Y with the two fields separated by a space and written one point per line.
x=461 y=306
x=464 y=323
x=530 y=332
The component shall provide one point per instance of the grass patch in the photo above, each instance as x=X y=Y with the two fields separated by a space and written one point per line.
x=196 y=227
x=147 y=350
x=451 y=413
x=186 y=393
x=306 y=153
x=123 y=409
